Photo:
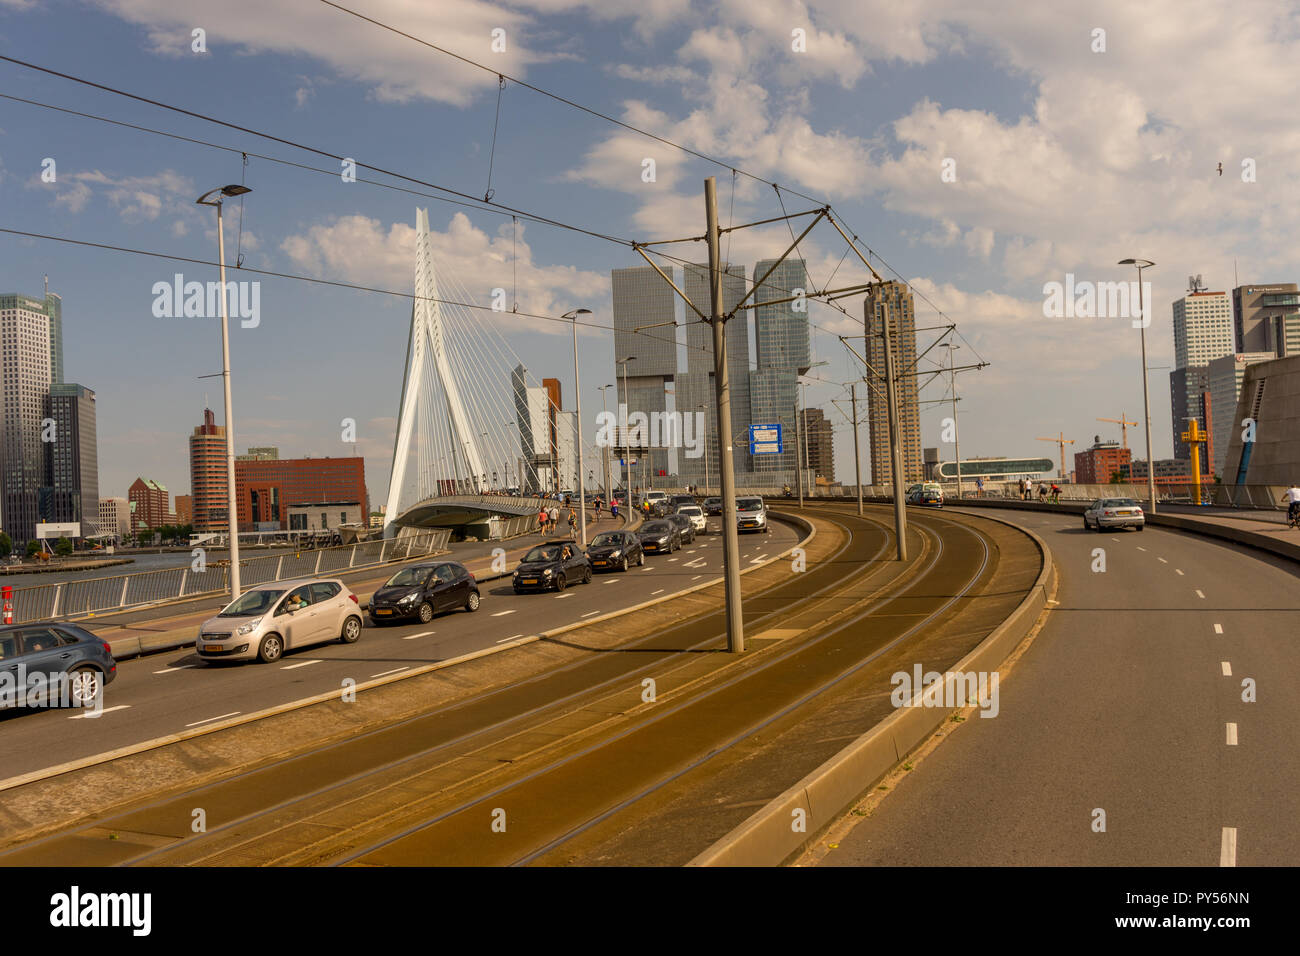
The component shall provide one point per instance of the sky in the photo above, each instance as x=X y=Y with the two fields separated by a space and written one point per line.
x=980 y=150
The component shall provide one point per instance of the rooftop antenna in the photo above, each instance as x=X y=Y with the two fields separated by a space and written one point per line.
x=47 y=286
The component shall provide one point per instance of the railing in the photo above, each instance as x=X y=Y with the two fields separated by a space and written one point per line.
x=72 y=599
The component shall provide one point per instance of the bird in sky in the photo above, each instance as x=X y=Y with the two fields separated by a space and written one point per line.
x=1220 y=169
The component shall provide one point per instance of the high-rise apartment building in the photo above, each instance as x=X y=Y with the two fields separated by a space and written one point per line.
x=892 y=302
x=644 y=314
x=114 y=516
x=819 y=436
x=150 y=504
x=209 y=484
x=31 y=360
x=783 y=353
x=1266 y=318
x=72 y=458
x=1203 y=328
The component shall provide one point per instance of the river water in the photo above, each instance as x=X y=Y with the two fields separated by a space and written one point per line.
x=138 y=564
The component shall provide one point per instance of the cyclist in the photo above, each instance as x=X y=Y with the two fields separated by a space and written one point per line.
x=1292 y=498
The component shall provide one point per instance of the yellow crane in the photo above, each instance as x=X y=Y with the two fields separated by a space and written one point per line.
x=1123 y=424
x=1061 y=440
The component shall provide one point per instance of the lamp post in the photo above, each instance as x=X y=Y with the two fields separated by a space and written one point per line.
x=952 y=375
x=577 y=427
x=706 y=451
x=627 y=445
x=1146 y=396
x=604 y=458
x=232 y=515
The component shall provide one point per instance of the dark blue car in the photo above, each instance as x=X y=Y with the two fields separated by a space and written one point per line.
x=50 y=662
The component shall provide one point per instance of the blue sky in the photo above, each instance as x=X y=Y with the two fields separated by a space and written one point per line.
x=1067 y=160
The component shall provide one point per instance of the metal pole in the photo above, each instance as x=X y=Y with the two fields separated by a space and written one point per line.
x=857 y=456
x=895 y=451
x=798 y=465
x=627 y=448
x=722 y=388
x=956 y=442
x=230 y=420
x=577 y=438
x=1146 y=402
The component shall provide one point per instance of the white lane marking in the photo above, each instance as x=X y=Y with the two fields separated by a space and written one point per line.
x=697 y=563
x=1232 y=735
x=648 y=567
x=92 y=714
x=1162 y=560
x=697 y=577
x=1218 y=629
x=1140 y=548
x=507 y=639
x=504 y=613
x=590 y=613
x=1228 y=848
x=1178 y=570
x=208 y=720
x=289 y=667
x=672 y=559
x=1227 y=668
x=561 y=597
x=1200 y=594
x=611 y=581
x=411 y=637
x=1053 y=603
x=1114 y=539
x=395 y=670
x=176 y=667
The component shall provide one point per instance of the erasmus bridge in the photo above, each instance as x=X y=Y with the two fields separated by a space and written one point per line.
x=458 y=445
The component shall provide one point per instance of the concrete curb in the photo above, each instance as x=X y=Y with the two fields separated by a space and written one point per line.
x=768 y=838
x=155 y=743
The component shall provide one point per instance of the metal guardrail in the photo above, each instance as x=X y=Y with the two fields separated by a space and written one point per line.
x=72 y=599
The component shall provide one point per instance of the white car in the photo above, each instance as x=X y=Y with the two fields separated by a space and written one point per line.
x=264 y=622
x=696 y=514
x=1114 y=513
x=751 y=515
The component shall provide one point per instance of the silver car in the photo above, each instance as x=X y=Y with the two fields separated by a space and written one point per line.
x=1114 y=513
x=266 y=621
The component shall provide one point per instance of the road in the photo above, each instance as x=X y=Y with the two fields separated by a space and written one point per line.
x=1128 y=702
x=171 y=693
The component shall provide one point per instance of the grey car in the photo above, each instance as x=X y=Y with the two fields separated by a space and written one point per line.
x=48 y=662
x=264 y=622
x=1114 y=513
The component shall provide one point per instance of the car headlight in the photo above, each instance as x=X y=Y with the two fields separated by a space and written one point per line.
x=408 y=599
x=251 y=625
x=614 y=555
x=548 y=572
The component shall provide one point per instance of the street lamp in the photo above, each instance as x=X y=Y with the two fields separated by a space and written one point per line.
x=706 y=451
x=604 y=458
x=577 y=428
x=627 y=445
x=1146 y=397
x=233 y=516
x=952 y=374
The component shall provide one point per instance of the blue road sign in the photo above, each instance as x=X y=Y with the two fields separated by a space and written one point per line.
x=765 y=439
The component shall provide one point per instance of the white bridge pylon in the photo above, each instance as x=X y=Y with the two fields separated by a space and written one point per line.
x=436 y=451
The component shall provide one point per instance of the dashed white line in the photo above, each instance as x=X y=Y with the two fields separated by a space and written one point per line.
x=504 y=613
x=1200 y=594
x=411 y=637
x=1227 y=668
x=1178 y=570
x=1162 y=560
x=660 y=591
x=590 y=613
x=611 y=581
x=208 y=720
x=1228 y=848
x=395 y=670
x=1218 y=629
x=511 y=638
x=289 y=667
x=1140 y=548
x=697 y=577
x=177 y=667
x=1232 y=735
x=561 y=597
x=92 y=714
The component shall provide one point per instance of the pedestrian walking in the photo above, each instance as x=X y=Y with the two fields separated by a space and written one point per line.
x=573 y=520
x=979 y=487
x=541 y=520
x=1042 y=492
x=554 y=518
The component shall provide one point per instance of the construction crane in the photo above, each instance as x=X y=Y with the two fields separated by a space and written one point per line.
x=1062 y=441
x=1123 y=424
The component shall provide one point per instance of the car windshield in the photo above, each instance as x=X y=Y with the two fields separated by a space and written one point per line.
x=408 y=577
x=712 y=501
x=691 y=510
x=1119 y=503
x=750 y=504
x=657 y=527
x=251 y=602
x=549 y=552
x=607 y=539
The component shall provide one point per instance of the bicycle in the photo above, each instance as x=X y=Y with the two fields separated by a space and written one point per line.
x=1293 y=518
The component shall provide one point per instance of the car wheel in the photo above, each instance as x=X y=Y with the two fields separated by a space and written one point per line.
x=624 y=565
x=1141 y=526
x=640 y=559
x=518 y=591
x=472 y=604
x=351 y=630
x=84 y=686
x=426 y=612
x=1086 y=526
x=560 y=582
x=271 y=649
x=586 y=574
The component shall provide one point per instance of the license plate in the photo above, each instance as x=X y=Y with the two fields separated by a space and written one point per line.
x=214 y=647
x=652 y=547
x=382 y=611
x=528 y=580
x=598 y=564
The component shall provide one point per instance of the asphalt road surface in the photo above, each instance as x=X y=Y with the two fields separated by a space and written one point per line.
x=174 y=692
x=1129 y=703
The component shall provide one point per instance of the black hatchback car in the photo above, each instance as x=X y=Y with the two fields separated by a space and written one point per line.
x=684 y=526
x=612 y=550
x=554 y=564
x=423 y=590
x=660 y=537
x=48 y=662
x=712 y=506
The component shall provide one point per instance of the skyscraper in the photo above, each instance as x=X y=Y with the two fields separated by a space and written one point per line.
x=696 y=385
x=72 y=459
x=1266 y=318
x=821 y=444
x=30 y=357
x=782 y=343
x=892 y=301
x=643 y=300
x=209 y=482
x=1203 y=332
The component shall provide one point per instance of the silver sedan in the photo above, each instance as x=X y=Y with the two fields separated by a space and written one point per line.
x=1114 y=513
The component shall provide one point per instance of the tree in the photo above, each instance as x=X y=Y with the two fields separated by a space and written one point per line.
x=32 y=547
x=63 y=547
x=6 y=544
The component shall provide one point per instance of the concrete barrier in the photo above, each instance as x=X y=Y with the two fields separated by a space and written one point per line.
x=768 y=838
